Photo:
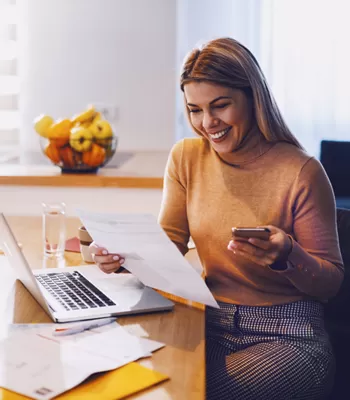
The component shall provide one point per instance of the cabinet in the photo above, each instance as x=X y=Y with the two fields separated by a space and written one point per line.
x=135 y=186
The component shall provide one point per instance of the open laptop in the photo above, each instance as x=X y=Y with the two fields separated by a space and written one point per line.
x=80 y=293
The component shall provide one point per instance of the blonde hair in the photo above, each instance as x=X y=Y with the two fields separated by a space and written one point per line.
x=226 y=62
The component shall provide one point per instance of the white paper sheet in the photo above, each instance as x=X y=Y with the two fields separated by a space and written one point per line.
x=37 y=364
x=149 y=253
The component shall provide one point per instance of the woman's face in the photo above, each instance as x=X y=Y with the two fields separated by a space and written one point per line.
x=221 y=114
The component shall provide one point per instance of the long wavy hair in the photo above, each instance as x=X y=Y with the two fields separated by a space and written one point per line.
x=226 y=62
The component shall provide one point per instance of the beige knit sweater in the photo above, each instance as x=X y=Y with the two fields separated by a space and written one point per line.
x=204 y=197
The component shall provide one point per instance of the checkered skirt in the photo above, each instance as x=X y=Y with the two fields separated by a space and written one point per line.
x=275 y=352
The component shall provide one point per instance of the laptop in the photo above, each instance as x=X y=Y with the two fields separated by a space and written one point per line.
x=80 y=293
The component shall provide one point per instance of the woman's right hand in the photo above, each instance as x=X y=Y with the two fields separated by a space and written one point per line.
x=107 y=263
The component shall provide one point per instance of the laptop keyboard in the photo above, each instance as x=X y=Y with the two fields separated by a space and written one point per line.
x=73 y=291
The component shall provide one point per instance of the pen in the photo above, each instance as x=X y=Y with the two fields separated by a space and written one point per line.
x=84 y=327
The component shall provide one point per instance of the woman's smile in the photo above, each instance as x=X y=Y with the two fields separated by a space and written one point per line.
x=220 y=136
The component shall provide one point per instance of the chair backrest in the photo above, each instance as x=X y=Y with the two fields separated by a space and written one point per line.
x=337 y=310
x=337 y=314
x=334 y=156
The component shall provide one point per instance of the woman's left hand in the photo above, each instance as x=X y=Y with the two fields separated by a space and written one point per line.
x=263 y=252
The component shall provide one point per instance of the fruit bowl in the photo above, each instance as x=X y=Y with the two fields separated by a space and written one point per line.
x=83 y=143
x=65 y=156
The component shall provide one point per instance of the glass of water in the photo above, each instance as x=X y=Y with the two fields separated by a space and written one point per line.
x=54 y=229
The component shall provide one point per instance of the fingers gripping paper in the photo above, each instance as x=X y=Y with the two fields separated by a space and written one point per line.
x=149 y=253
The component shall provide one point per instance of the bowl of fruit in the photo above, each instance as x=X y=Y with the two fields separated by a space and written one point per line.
x=83 y=143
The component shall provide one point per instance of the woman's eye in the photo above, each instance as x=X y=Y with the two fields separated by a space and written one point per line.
x=194 y=111
x=221 y=105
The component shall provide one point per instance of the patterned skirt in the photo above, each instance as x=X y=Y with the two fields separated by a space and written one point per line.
x=276 y=352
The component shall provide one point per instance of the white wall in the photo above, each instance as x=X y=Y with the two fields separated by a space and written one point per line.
x=120 y=52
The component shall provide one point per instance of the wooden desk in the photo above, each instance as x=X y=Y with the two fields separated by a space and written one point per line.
x=181 y=330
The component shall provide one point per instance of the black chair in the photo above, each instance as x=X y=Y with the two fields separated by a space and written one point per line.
x=335 y=158
x=337 y=315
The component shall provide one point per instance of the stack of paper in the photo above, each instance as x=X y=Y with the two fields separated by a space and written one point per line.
x=37 y=364
x=149 y=253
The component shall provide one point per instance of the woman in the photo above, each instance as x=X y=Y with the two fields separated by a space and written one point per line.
x=267 y=340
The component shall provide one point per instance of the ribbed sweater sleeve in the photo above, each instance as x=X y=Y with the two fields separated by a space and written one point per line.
x=317 y=265
x=173 y=211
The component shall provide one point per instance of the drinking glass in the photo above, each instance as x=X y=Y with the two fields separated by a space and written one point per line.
x=54 y=229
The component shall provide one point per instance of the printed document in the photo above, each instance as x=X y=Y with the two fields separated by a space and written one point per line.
x=149 y=254
x=37 y=364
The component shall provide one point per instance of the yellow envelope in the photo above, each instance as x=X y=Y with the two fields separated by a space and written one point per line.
x=113 y=385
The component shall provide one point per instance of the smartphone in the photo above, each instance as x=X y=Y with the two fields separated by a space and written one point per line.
x=258 y=233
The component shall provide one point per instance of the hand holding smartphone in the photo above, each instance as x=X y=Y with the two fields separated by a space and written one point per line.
x=257 y=233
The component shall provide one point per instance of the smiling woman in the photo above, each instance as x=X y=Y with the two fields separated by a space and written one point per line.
x=246 y=169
